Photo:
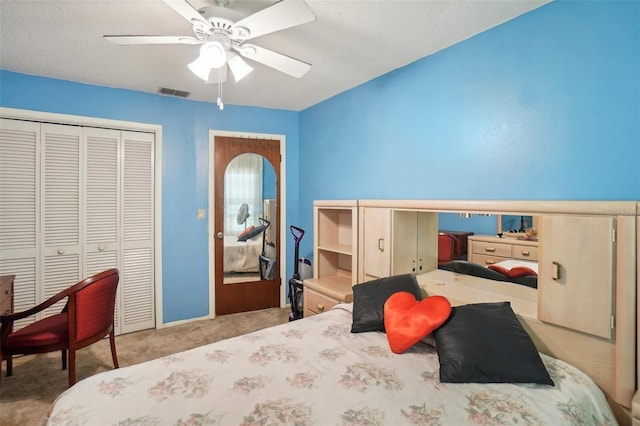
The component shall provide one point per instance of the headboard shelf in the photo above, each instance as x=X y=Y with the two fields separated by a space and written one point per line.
x=518 y=207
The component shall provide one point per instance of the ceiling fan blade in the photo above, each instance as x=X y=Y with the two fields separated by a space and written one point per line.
x=187 y=11
x=285 y=64
x=285 y=14
x=217 y=75
x=131 y=40
x=239 y=68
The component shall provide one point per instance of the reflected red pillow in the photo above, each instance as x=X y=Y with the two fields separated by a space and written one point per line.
x=515 y=272
x=245 y=232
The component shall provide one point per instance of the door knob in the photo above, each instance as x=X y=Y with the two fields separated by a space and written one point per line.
x=220 y=235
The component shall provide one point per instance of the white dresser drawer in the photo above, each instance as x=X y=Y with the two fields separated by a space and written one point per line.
x=482 y=259
x=492 y=249
x=524 y=253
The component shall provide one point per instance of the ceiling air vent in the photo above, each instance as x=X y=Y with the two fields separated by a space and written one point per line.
x=173 y=92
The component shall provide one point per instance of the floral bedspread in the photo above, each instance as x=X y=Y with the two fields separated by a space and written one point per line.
x=316 y=372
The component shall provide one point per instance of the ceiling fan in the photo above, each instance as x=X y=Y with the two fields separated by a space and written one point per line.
x=223 y=38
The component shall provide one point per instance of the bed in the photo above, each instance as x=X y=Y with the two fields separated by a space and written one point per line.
x=515 y=271
x=242 y=256
x=316 y=371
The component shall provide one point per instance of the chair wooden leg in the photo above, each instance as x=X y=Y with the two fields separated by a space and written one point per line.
x=64 y=359
x=72 y=367
x=112 y=341
x=9 y=365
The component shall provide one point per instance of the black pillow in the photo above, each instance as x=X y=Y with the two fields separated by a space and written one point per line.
x=485 y=343
x=255 y=231
x=470 y=268
x=527 y=280
x=369 y=298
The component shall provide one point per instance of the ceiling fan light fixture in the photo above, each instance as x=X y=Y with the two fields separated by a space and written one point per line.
x=239 y=68
x=215 y=53
x=212 y=56
x=201 y=68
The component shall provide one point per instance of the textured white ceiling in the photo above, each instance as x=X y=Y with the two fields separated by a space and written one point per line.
x=349 y=43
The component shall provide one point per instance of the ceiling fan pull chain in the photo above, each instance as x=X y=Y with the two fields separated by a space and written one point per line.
x=219 y=102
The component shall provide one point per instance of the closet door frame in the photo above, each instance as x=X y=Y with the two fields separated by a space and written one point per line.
x=156 y=129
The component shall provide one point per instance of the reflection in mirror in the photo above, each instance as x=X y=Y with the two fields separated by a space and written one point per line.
x=460 y=226
x=475 y=223
x=517 y=226
x=491 y=235
x=249 y=219
x=512 y=223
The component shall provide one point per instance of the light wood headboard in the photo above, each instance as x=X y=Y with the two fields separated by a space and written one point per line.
x=611 y=361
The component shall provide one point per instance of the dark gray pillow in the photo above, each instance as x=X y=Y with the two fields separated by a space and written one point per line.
x=252 y=233
x=470 y=268
x=369 y=299
x=485 y=343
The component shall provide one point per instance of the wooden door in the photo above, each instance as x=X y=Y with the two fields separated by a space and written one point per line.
x=576 y=273
x=242 y=295
x=377 y=242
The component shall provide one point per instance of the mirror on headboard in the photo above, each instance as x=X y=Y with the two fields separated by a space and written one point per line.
x=488 y=231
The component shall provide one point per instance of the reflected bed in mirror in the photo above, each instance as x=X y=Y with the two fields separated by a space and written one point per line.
x=514 y=271
x=243 y=253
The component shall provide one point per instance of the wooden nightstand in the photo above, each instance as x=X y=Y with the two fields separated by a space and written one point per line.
x=322 y=296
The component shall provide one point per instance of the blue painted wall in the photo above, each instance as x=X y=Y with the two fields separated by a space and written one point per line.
x=185 y=169
x=546 y=106
x=268 y=180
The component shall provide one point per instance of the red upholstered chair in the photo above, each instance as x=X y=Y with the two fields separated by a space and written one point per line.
x=86 y=318
x=446 y=248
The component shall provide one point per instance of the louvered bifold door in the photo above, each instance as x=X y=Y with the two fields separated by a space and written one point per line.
x=61 y=216
x=101 y=210
x=19 y=236
x=137 y=277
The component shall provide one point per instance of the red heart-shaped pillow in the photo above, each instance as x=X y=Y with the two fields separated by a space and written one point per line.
x=407 y=321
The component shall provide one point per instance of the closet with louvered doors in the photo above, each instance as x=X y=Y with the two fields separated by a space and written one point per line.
x=75 y=201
